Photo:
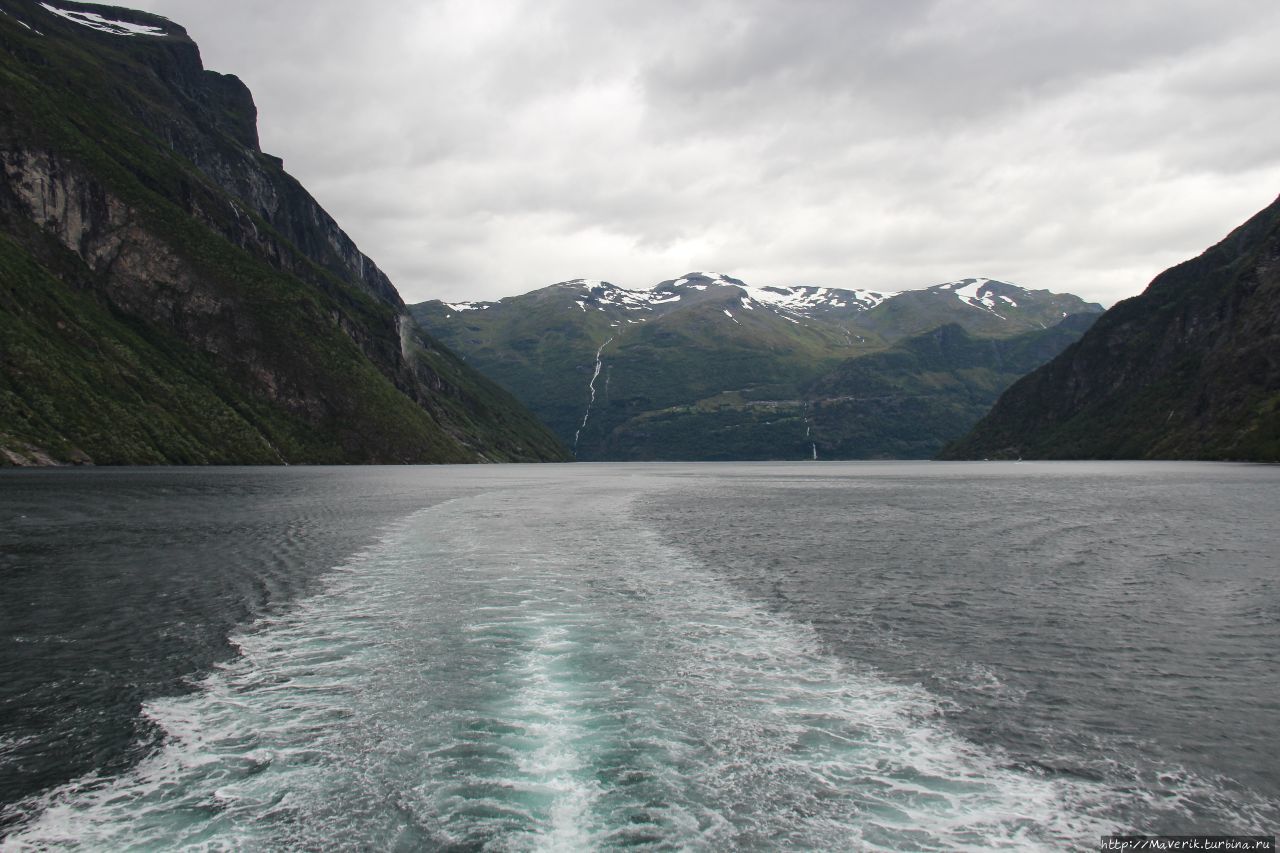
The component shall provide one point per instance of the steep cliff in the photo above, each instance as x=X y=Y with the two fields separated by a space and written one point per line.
x=169 y=294
x=1189 y=369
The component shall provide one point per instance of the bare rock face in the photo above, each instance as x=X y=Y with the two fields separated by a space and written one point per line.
x=145 y=277
x=78 y=211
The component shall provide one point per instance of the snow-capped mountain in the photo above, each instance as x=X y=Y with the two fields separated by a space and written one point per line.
x=599 y=363
x=803 y=301
x=989 y=295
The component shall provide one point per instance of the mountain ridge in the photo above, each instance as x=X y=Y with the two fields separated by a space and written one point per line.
x=600 y=364
x=802 y=300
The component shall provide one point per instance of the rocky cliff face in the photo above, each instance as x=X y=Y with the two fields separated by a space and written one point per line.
x=1189 y=369
x=137 y=208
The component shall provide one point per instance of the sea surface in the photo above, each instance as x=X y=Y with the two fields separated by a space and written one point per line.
x=825 y=656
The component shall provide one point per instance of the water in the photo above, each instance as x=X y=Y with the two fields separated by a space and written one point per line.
x=819 y=656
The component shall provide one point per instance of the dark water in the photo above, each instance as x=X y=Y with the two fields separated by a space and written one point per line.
x=120 y=585
x=825 y=656
x=1098 y=621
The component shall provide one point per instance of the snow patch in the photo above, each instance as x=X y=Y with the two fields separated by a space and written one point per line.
x=799 y=301
x=602 y=293
x=21 y=22
x=94 y=21
x=703 y=280
x=968 y=288
x=803 y=300
x=970 y=292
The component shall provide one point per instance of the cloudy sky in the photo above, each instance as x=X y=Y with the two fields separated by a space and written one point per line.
x=481 y=148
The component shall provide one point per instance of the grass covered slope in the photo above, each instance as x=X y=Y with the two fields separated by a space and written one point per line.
x=903 y=403
x=1189 y=369
x=168 y=294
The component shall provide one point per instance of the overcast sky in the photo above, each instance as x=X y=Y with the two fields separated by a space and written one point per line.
x=482 y=148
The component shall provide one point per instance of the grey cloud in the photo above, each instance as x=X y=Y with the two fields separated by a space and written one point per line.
x=479 y=148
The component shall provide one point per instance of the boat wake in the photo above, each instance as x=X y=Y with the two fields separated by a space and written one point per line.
x=516 y=676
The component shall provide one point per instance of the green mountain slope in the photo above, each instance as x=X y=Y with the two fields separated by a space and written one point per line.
x=708 y=367
x=1189 y=369
x=168 y=294
x=905 y=402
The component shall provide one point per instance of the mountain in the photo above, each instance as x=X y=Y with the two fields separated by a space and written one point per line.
x=904 y=402
x=1188 y=369
x=169 y=294
x=708 y=367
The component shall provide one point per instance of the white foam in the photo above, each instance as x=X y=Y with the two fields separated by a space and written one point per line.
x=550 y=687
x=556 y=724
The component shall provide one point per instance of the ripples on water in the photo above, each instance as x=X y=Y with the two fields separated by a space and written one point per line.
x=120 y=584
x=1111 y=622
x=823 y=657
